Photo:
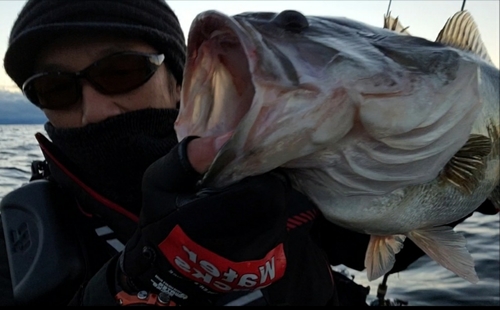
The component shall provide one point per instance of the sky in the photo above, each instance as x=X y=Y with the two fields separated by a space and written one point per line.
x=425 y=18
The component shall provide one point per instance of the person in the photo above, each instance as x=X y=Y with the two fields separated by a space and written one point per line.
x=113 y=214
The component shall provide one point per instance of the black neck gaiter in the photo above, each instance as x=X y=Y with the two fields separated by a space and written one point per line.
x=112 y=155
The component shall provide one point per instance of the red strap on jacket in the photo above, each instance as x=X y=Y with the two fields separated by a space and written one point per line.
x=142 y=298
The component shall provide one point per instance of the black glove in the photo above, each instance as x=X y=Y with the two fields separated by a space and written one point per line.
x=193 y=245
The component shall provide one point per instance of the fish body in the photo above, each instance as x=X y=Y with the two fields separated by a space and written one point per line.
x=390 y=135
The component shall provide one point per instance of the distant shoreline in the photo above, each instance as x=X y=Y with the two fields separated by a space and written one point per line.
x=22 y=123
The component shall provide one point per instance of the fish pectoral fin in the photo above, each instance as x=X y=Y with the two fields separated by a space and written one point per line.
x=381 y=254
x=447 y=248
x=466 y=167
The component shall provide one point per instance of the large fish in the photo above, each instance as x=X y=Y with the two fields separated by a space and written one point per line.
x=390 y=135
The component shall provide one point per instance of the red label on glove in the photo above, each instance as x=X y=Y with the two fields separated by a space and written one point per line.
x=218 y=273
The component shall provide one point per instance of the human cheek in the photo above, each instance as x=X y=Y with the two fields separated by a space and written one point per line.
x=64 y=118
x=160 y=95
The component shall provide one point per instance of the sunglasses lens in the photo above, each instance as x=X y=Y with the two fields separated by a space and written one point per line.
x=53 y=91
x=116 y=74
x=121 y=73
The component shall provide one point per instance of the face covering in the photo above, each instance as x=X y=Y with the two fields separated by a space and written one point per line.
x=112 y=155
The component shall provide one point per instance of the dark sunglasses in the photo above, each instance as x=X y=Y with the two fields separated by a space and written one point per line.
x=115 y=74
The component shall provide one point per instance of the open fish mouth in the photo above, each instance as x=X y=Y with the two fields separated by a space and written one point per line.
x=219 y=90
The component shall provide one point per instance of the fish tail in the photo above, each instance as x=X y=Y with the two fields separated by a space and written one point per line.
x=447 y=248
x=380 y=254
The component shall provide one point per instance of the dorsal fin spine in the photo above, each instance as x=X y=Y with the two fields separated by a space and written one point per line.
x=461 y=31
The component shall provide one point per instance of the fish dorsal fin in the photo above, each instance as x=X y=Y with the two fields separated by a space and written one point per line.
x=393 y=24
x=461 y=31
x=466 y=168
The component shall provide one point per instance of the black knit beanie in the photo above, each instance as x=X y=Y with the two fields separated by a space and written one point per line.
x=41 y=21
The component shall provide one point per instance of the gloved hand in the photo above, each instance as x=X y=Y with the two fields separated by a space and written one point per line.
x=193 y=245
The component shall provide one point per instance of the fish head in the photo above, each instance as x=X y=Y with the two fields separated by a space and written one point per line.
x=242 y=66
x=286 y=85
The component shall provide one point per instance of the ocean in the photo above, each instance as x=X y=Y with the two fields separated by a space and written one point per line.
x=424 y=283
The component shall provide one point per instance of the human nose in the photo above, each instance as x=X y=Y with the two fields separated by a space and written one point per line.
x=96 y=107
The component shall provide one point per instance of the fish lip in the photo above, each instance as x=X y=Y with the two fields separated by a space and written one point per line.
x=201 y=28
x=206 y=23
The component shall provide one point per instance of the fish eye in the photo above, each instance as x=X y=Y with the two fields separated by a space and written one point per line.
x=291 y=20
